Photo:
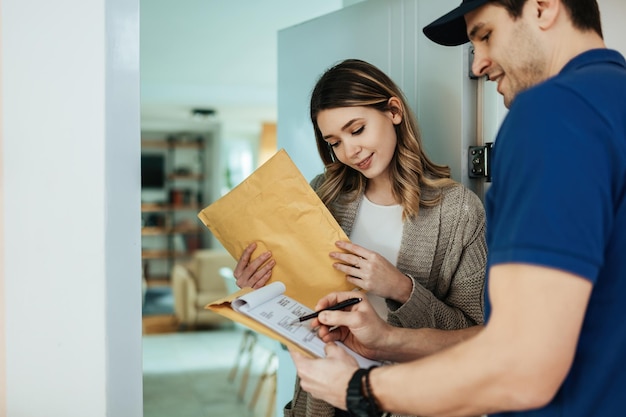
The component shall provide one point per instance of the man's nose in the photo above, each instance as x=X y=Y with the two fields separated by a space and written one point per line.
x=480 y=64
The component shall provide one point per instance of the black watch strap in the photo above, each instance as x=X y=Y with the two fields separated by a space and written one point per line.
x=358 y=404
x=355 y=400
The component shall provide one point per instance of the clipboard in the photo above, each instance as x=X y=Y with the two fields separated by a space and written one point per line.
x=269 y=311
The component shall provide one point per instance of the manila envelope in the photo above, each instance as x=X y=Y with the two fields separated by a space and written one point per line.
x=277 y=208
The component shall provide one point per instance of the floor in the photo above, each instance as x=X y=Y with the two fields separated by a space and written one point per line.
x=186 y=374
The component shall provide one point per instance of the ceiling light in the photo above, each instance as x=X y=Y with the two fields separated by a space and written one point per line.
x=202 y=113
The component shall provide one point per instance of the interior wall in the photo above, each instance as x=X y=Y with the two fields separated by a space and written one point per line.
x=71 y=329
x=613 y=13
x=388 y=35
x=3 y=396
x=390 y=38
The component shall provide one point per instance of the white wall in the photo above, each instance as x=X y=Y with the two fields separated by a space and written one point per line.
x=387 y=34
x=71 y=338
x=613 y=13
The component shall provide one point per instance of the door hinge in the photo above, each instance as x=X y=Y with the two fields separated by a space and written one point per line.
x=480 y=161
x=470 y=63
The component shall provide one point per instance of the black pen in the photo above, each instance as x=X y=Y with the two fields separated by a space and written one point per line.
x=347 y=303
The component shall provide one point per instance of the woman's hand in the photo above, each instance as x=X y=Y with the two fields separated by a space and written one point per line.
x=253 y=273
x=372 y=272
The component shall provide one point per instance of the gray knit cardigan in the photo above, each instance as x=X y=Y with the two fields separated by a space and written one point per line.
x=443 y=250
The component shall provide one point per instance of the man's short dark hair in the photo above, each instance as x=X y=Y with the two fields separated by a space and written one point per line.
x=585 y=14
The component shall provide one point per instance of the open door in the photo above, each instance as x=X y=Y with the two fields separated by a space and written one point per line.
x=389 y=35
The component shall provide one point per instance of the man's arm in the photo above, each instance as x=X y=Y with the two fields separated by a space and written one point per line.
x=404 y=345
x=365 y=332
x=517 y=362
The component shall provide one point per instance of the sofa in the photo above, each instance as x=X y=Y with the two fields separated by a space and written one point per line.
x=197 y=283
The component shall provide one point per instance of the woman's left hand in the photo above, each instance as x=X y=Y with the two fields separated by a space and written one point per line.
x=372 y=272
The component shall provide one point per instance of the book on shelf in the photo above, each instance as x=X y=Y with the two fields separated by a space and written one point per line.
x=277 y=208
x=269 y=311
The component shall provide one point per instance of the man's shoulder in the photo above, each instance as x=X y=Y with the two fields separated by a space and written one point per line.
x=593 y=78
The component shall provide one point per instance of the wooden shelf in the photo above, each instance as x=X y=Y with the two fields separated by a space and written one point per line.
x=155 y=208
x=164 y=231
x=158 y=281
x=158 y=144
x=154 y=231
x=186 y=230
x=163 y=254
x=146 y=208
x=194 y=177
x=172 y=223
x=154 y=254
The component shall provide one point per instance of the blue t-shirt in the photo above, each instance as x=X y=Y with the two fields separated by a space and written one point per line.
x=558 y=199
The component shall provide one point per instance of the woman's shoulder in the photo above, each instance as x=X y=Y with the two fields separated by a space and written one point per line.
x=462 y=212
x=457 y=195
x=317 y=181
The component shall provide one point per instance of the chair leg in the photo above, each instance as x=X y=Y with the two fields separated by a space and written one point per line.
x=246 y=369
x=272 y=403
x=269 y=373
x=246 y=340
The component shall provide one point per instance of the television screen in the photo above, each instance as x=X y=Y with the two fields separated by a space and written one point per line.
x=152 y=171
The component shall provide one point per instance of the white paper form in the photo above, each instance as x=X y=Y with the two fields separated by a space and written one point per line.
x=270 y=307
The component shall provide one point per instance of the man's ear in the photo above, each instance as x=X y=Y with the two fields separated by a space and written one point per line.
x=547 y=12
x=395 y=108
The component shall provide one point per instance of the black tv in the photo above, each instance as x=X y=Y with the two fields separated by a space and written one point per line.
x=152 y=171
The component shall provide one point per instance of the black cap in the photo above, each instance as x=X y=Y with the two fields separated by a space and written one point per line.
x=450 y=29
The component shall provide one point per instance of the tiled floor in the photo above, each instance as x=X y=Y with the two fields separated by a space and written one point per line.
x=186 y=375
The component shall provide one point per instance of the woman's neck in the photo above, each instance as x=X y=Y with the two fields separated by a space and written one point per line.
x=378 y=191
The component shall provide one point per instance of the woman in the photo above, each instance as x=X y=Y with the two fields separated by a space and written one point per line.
x=424 y=265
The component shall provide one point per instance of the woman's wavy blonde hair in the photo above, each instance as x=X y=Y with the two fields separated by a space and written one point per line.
x=353 y=83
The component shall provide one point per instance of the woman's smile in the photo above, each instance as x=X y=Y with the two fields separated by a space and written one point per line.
x=365 y=164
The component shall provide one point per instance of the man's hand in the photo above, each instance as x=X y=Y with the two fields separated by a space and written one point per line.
x=361 y=328
x=326 y=379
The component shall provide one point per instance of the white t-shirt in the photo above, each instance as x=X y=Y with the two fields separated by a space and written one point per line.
x=379 y=229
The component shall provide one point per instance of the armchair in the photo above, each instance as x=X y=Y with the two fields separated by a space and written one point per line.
x=197 y=283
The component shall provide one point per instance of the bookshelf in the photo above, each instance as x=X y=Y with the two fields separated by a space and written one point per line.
x=171 y=200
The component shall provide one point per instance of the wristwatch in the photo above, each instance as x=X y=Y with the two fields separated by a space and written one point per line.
x=359 y=398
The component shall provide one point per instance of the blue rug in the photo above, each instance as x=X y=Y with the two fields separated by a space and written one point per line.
x=159 y=301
